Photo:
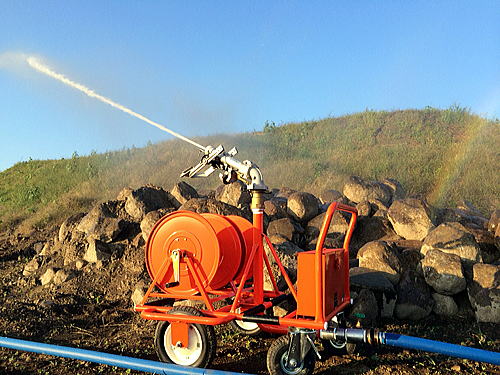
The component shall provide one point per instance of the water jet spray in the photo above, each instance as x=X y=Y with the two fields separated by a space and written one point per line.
x=42 y=68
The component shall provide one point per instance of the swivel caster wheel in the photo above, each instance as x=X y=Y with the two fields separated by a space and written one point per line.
x=201 y=347
x=277 y=359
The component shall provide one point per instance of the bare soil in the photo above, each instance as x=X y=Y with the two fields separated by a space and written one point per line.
x=82 y=314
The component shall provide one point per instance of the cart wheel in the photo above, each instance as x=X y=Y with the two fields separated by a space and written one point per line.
x=247 y=328
x=334 y=347
x=202 y=342
x=277 y=359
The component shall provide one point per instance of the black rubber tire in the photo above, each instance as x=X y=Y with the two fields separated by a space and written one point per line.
x=206 y=333
x=337 y=348
x=276 y=358
x=249 y=332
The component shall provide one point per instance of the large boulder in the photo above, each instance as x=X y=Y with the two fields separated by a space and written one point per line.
x=359 y=190
x=453 y=238
x=302 y=206
x=288 y=229
x=208 y=205
x=364 y=309
x=182 y=192
x=275 y=208
x=328 y=196
x=410 y=218
x=150 y=220
x=67 y=228
x=414 y=300
x=287 y=254
x=494 y=221
x=371 y=229
x=444 y=305
x=235 y=194
x=379 y=256
x=103 y=222
x=398 y=192
x=366 y=278
x=148 y=198
x=484 y=292
x=443 y=272
x=337 y=229
x=490 y=252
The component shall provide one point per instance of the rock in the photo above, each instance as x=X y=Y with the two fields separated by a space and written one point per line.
x=453 y=238
x=364 y=208
x=302 y=206
x=148 y=198
x=484 y=292
x=68 y=227
x=398 y=192
x=49 y=248
x=32 y=266
x=275 y=208
x=494 y=221
x=72 y=251
x=80 y=263
x=414 y=300
x=359 y=190
x=102 y=222
x=139 y=293
x=150 y=220
x=288 y=229
x=443 y=272
x=235 y=194
x=410 y=260
x=286 y=252
x=37 y=247
x=62 y=276
x=182 y=192
x=364 y=308
x=47 y=276
x=379 y=256
x=410 y=218
x=490 y=252
x=370 y=229
x=204 y=205
x=328 y=196
x=124 y=193
x=96 y=251
x=444 y=305
x=361 y=277
x=285 y=192
x=337 y=229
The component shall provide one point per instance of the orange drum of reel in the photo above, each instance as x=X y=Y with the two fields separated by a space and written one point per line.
x=217 y=245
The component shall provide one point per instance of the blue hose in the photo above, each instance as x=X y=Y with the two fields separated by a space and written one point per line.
x=452 y=350
x=107 y=359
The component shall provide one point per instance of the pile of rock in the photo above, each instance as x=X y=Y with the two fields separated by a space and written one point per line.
x=409 y=259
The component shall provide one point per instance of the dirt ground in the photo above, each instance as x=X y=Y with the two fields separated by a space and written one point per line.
x=78 y=316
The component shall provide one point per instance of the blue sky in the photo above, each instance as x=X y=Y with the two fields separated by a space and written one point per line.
x=203 y=67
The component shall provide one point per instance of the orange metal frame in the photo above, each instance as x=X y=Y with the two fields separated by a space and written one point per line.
x=250 y=293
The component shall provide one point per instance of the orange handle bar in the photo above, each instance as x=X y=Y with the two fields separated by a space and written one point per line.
x=320 y=316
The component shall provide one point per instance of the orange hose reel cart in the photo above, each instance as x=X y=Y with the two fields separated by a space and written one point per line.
x=220 y=261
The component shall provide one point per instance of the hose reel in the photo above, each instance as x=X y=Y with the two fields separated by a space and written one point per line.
x=217 y=245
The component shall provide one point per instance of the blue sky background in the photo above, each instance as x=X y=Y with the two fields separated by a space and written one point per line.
x=203 y=67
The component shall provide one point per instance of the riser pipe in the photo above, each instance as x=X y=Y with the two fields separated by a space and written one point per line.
x=107 y=359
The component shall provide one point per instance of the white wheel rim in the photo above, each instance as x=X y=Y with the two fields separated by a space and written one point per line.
x=185 y=356
x=246 y=326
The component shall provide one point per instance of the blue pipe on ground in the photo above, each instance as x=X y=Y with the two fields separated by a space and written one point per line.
x=107 y=359
x=452 y=350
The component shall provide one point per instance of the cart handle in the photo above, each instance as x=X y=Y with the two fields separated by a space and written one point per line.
x=318 y=264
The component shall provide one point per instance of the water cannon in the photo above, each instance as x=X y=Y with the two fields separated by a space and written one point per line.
x=232 y=169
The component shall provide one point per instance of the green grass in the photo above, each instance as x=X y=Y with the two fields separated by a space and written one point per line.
x=447 y=155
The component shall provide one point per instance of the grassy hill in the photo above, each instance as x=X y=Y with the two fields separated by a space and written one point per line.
x=446 y=155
